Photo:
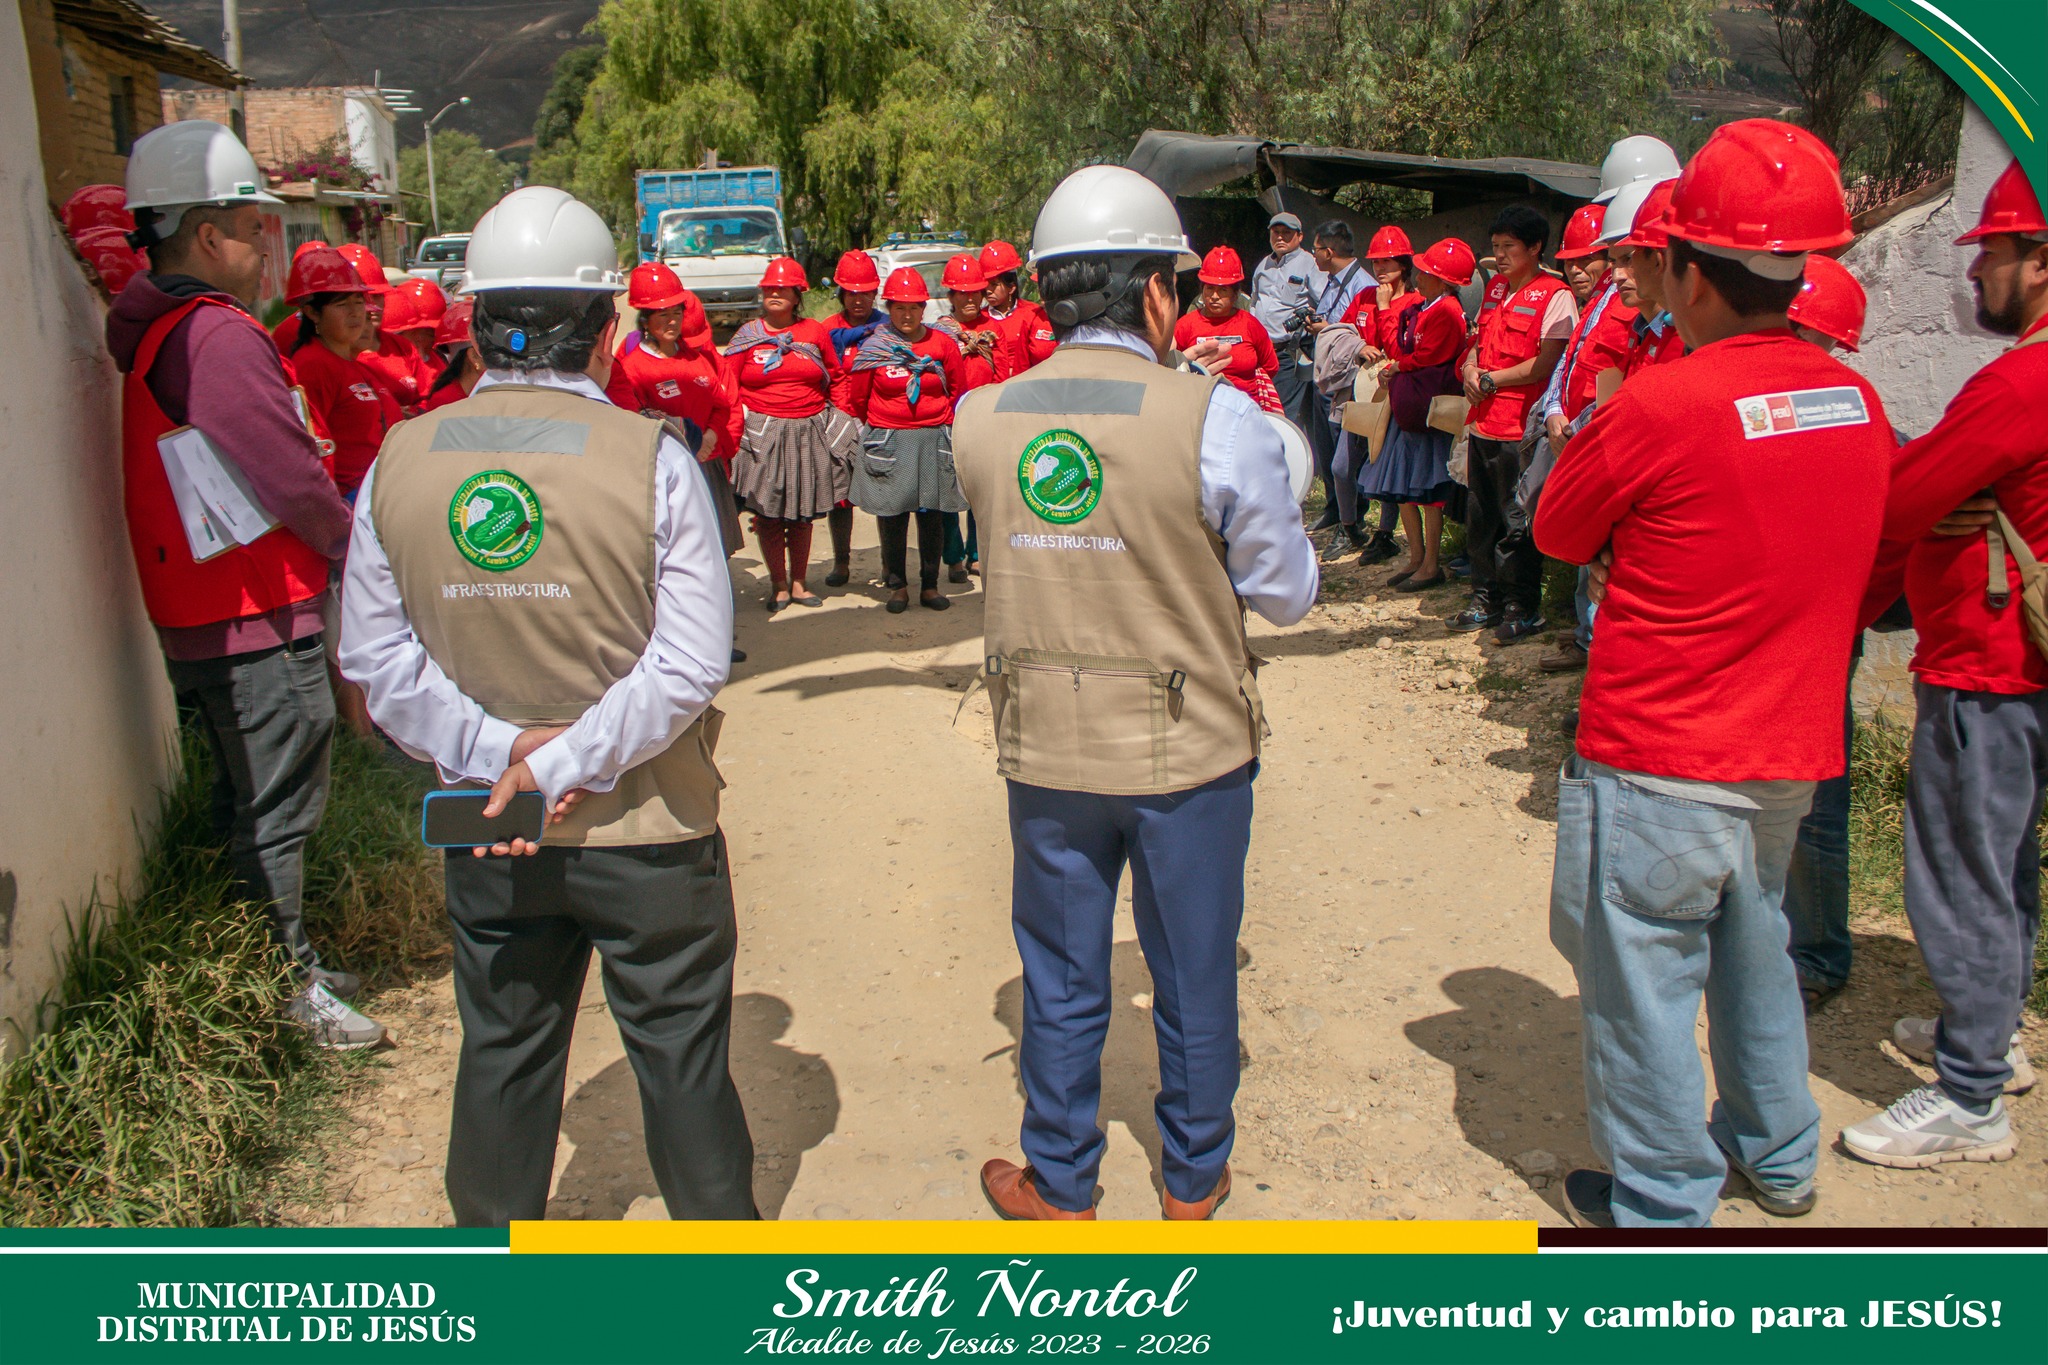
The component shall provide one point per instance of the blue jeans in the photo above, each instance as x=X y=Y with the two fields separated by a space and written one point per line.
x=1187 y=851
x=1583 y=632
x=1657 y=901
x=1817 y=886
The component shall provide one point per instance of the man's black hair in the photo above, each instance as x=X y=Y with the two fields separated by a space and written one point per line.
x=168 y=252
x=1523 y=223
x=1336 y=235
x=539 y=329
x=1103 y=291
x=1747 y=292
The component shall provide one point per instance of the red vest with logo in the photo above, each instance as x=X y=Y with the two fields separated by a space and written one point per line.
x=1510 y=334
x=1599 y=342
x=247 y=580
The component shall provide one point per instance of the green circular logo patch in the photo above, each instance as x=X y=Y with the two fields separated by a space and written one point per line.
x=1060 y=477
x=495 y=520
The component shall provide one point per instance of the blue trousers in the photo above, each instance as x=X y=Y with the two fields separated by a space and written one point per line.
x=1186 y=851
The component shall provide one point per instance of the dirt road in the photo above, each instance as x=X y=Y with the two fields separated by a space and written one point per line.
x=1412 y=1038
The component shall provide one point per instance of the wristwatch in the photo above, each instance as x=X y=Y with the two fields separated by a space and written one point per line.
x=1486 y=384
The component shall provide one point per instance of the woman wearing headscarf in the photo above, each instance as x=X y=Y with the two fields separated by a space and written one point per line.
x=986 y=357
x=1425 y=333
x=795 y=447
x=901 y=387
x=857 y=282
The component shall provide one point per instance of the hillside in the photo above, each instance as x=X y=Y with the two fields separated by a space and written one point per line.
x=498 y=52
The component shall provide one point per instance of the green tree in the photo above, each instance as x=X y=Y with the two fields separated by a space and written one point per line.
x=563 y=104
x=468 y=178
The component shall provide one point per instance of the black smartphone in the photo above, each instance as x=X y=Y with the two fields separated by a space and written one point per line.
x=455 y=819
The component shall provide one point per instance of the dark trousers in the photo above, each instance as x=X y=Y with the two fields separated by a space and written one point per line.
x=661 y=919
x=1512 y=581
x=840 y=522
x=1322 y=440
x=268 y=717
x=1973 y=872
x=961 y=549
x=1817 y=883
x=1186 y=851
x=931 y=539
x=1294 y=383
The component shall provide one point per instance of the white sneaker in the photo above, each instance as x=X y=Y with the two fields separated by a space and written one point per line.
x=332 y=1024
x=1925 y=1128
x=1915 y=1038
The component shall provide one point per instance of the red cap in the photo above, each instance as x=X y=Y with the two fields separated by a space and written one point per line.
x=1000 y=258
x=454 y=328
x=906 y=286
x=1582 y=234
x=1388 y=243
x=322 y=270
x=367 y=265
x=1652 y=226
x=856 y=273
x=2012 y=206
x=428 y=301
x=1831 y=301
x=1221 y=266
x=1761 y=186
x=784 y=273
x=1449 y=260
x=97 y=206
x=653 y=286
x=401 y=314
x=964 y=273
x=108 y=250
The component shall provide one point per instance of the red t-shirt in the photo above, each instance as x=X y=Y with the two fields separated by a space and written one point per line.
x=799 y=386
x=1601 y=346
x=1000 y=364
x=1251 y=346
x=838 y=320
x=1376 y=324
x=1994 y=435
x=397 y=364
x=881 y=397
x=452 y=394
x=1030 y=335
x=1742 y=488
x=350 y=407
x=693 y=387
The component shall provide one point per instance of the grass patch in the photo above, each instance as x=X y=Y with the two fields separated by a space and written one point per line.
x=1505 y=684
x=164 y=1086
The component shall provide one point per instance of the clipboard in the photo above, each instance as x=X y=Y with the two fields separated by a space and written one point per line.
x=218 y=508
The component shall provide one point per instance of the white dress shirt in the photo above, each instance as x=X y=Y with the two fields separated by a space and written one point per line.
x=685 y=663
x=1246 y=498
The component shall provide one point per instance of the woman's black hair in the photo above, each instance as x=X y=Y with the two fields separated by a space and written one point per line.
x=1107 y=291
x=451 y=373
x=1407 y=264
x=1523 y=223
x=308 y=329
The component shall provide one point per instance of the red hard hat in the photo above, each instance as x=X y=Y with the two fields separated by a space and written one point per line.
x=1652 y=226
x=1582 y=234
x=367 y=265
x=784 y=273
x=428 y=302
x=1761 y=185
x=303 y=247
x=1000 y=258
x=856 y=273
x=1388 y=243
x=454 y=328
x=653 y=286
x=108 y=250
x=1831 y=301
x=97 y=206
x=2012 y=206
x=1449 y=260
x=964 y=273
x=401 y=314
x=323 y=270
x=906 y=286
x=1221 y=266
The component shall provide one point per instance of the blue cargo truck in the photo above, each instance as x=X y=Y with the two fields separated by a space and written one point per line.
x=717 y=229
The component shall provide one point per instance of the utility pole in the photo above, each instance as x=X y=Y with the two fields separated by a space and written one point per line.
x=231 y=49
x=433 y=194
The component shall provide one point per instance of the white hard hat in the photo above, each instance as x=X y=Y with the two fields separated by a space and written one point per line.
x=1106 y=209
x=540 y=237
x=1636 y=158
x=1294 y=445
x=1621 y=210
x=188 y=163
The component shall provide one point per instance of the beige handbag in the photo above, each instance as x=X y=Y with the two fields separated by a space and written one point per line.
x=1448 y=413
x=1368 y=414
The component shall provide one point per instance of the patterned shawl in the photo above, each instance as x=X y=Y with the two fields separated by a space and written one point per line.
x=755 y=333
x=887 y=347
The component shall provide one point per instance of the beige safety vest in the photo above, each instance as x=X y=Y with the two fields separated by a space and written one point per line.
x=1116 y=653
x=520 y=528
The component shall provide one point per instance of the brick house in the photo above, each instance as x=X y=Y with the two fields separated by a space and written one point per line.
x=94 y=67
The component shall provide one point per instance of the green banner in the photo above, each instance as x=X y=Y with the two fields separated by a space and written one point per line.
x=1997 y=51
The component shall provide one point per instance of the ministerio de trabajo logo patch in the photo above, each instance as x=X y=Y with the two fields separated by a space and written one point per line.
x=1060 y=477
x=495 y=520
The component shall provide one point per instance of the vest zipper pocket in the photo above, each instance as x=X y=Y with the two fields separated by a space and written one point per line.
x=1085 y=721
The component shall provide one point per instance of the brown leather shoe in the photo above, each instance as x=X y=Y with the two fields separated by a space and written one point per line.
x=1201 y=1209
x=1012 y=1195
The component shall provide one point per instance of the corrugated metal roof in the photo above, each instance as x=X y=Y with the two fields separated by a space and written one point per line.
x=128 y=27
x=1188 y=163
